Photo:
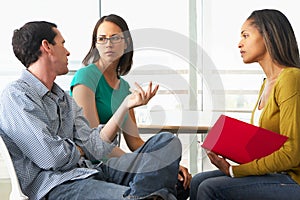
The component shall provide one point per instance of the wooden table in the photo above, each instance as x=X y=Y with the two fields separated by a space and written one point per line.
x=191 y=130
x=152 y=129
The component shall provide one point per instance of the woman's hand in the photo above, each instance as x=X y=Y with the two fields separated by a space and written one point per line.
x=140 y=97
x=219 y=162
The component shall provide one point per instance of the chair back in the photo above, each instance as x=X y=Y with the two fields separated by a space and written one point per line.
x=16 y=192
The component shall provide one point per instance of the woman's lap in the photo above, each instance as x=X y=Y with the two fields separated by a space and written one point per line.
x=216 y=185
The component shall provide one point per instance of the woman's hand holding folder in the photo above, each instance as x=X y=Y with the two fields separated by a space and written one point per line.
x=219 y=162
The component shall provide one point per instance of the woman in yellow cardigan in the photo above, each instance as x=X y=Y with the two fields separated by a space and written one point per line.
x=267 y=38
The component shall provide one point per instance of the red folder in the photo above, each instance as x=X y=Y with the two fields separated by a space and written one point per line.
x=241 y=142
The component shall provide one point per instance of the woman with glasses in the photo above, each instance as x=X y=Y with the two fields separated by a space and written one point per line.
x=267 y=38
x=99 y=88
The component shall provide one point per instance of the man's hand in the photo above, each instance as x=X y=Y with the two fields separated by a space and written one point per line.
x=219 y=162
x=184 y=176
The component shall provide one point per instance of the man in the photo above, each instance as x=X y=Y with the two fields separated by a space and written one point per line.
x=51 y=143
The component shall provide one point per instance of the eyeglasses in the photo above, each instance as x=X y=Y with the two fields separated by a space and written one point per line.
x=114 y=39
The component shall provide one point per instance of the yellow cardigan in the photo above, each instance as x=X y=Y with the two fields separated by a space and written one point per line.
x=281 y=114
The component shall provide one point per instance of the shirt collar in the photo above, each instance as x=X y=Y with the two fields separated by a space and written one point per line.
x=39 y=87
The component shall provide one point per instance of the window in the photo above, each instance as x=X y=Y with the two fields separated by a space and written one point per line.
x=221 y=24
x=75 y=20
x=161 y=37
x=189 y=47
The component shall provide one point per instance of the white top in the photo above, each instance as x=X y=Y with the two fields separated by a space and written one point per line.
x=256 y=116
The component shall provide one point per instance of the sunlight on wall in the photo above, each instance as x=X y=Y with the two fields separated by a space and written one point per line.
x=75 y=19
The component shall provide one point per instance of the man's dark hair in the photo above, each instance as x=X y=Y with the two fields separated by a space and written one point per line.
x=27 y=40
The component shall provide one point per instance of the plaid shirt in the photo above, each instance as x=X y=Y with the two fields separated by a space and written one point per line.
x=42 y=129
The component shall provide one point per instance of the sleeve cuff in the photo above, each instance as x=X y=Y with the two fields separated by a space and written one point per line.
x=231 y=172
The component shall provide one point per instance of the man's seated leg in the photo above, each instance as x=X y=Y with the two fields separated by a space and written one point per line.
x=151 y=168
x=89 y=188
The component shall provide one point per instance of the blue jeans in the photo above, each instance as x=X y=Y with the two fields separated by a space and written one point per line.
x=152 y=170
x=216 y=185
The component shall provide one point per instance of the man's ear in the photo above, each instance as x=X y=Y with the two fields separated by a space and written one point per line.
x=45 y=46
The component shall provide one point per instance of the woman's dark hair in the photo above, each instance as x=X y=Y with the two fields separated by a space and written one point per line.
x=278 y=35
x=125 y=62
x=27 y=40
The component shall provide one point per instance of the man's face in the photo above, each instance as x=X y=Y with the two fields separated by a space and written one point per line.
x=60 y=54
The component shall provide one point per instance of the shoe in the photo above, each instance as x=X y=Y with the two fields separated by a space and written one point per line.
x=182 y=194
